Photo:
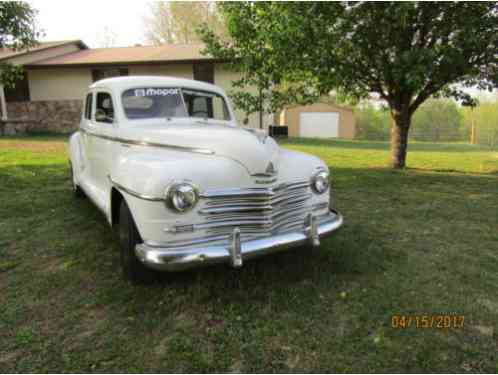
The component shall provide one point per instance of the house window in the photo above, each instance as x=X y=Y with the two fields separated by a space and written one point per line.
x=204 y=71
x=19 y=93
x=98 y=74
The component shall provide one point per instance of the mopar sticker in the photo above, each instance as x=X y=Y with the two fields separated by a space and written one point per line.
x=155 y=92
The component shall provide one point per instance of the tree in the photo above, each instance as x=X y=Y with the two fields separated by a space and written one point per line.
x=437 y=121
x=404 y=52
x=17 y=31
x=177 y=22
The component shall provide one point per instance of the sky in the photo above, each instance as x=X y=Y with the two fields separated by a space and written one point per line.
x=88 y=20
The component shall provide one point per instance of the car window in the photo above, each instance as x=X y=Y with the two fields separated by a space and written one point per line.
x=153 y=102
x=166 y=102
x=104 y=111
x=88 y=107
x=205 y=105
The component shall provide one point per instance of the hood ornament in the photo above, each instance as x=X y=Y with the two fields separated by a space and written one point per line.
x=268 y=177
x=270 y=169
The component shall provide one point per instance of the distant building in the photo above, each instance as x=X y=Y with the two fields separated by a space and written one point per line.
x=319 y=120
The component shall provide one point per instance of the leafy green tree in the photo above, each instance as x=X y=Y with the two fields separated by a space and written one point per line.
x=404 y=52
x=17 y=31
x=437 y=121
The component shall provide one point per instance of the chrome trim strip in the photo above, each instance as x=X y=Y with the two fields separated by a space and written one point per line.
x=294 y=208
x=235 y=209
x=254 y=192
x=236 y=192
x=178 y=259
x=269 y=223
x=150 y=144
x=134 y=193
x=259 y=201
x=264 y=174
x=263 y=182
x=231 y=223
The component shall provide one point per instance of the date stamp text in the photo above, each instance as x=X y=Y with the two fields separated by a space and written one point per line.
x=428 y=321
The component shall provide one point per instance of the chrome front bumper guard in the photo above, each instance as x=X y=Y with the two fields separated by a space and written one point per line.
x=236 y=251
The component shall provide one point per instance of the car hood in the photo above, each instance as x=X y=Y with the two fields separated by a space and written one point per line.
x=249 y=147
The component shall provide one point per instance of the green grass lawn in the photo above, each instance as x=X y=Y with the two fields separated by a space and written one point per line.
x=423 y=241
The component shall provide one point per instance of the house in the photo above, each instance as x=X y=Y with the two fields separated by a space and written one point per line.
x=57 y=75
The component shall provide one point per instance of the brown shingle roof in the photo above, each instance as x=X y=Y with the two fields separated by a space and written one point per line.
x=128 y=55
x=7 y=53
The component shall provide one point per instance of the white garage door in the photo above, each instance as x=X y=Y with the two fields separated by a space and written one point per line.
x=319 y=124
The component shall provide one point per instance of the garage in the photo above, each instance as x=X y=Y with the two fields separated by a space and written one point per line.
x=319 y=124
x=318 y=120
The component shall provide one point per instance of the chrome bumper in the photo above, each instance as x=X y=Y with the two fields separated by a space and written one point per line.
x=234 y=253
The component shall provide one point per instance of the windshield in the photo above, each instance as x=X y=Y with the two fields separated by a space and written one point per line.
x=157 y=102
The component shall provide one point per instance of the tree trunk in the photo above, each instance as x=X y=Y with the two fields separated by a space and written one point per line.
x=399 y=138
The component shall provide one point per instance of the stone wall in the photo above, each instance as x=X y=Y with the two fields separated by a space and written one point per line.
x=13 y=127
x=56 y=116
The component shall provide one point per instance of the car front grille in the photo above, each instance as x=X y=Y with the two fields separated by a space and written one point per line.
x=256 y=211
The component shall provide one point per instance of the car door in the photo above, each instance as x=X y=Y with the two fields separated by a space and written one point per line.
x=100 y=144
x=83 y=164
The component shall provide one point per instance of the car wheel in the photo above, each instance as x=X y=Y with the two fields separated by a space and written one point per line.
x=132 y=268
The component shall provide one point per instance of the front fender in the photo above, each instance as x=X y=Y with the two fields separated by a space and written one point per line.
x=296 y=165
x=148 y=172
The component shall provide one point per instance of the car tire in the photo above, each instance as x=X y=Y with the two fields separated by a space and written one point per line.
x=132 y=268
x=77 y=192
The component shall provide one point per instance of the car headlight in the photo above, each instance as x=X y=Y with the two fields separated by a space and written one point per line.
x=320 y=182
x=182 y=196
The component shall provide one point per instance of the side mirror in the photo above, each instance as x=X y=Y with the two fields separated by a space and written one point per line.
x=101 y=116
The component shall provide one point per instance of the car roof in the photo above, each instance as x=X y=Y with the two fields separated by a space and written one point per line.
x=127 y=82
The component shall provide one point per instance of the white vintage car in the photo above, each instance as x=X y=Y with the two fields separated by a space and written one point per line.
x=164 y=160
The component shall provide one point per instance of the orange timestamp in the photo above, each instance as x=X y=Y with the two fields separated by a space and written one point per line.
x=427 y=321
